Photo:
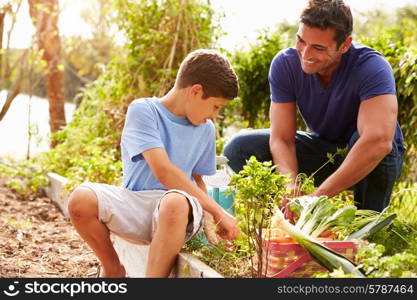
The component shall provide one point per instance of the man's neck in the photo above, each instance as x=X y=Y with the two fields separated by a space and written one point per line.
x=324 y=79
x=326 y=75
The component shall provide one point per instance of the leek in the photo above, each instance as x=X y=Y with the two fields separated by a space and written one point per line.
x=371 y=227
x=342 y=217
x=318 y=214
x=326 y=257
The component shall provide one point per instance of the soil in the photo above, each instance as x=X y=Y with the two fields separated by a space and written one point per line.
x=36 y=240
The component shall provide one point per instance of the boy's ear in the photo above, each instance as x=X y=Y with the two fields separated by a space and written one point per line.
x=196 y=90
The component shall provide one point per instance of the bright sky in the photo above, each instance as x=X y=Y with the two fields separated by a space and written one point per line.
x=244 y=18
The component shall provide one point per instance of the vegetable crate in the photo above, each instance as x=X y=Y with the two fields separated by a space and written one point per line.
x=292 y=260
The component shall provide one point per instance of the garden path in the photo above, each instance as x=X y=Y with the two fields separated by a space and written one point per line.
x=37 y=241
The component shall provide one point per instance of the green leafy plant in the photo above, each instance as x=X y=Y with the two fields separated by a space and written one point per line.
x=375 y=225
x=375 y=264
x=252 y=67
x=258 y=190
x=397 y=237
x=23 y=176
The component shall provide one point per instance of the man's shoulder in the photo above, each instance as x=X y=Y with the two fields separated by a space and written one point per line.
x=364 y=55
x=286 y=54
x=286 y=60
x=360 y=48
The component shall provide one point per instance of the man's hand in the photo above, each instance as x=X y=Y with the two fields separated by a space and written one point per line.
x=294 y=189
x=288 y=213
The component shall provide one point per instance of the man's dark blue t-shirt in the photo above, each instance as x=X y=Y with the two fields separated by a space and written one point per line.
x=332 y=112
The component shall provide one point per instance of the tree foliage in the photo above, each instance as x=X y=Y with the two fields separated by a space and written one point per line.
x=159 y=34
x=252 y=68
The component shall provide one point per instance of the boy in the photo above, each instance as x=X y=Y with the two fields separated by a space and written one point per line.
x=167 y=145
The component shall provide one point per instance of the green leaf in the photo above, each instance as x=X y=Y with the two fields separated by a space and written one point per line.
x=371 y=228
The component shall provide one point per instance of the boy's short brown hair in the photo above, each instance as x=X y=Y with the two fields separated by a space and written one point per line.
x=210 y=69
x=325 y=14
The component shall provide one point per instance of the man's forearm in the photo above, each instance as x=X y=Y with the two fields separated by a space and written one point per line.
x=284 y=157
x=359 y=162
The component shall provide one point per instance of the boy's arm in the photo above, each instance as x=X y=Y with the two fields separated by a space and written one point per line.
x=171 y=177
x=209 y=223
x=200 y=183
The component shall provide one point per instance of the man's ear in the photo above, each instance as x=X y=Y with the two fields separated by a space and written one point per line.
x=346 y=45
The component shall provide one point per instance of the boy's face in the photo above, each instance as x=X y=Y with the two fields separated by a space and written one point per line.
x=199 y=110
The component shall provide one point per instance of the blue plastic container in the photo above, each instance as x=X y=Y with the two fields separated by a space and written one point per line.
x=225 y=201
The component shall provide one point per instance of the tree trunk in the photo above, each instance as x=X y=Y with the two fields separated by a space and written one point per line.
x=44 y=14
x=2 y=15
x=14 y=90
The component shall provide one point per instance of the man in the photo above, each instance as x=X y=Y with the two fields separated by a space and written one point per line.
x=346 y=95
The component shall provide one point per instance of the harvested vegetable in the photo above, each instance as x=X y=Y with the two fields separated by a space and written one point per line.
x=318 y=214
x=326 y=257
x=372 y=227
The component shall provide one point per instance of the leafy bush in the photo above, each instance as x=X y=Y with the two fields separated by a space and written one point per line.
x=252 y=68
x=23 y=176
x=397 y=237
x=159 y=35
x=258 y=190
x=376 y=265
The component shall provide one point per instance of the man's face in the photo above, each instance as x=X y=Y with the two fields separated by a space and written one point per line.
x=200 y=110
x=317 y=50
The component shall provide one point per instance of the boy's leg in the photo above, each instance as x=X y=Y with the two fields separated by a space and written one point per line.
x=174 y=214
x=83 y=211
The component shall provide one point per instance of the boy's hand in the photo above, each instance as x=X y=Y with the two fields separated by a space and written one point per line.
x=210 y=228
x=226 y=226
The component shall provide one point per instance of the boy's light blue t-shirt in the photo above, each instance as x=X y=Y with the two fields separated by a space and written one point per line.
x=149 y=125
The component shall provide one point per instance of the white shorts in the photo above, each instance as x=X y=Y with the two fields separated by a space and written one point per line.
x=133 y=215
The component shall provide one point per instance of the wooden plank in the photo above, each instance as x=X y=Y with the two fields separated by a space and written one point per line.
x=56 y=192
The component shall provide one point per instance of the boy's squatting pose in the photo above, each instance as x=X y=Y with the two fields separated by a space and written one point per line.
x=168 y=143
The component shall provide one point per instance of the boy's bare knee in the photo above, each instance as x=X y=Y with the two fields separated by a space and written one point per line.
x=174 y=208
x=82 y=203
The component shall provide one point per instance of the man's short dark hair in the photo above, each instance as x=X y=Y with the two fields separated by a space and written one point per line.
x=210 y=69
x=325 y=14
